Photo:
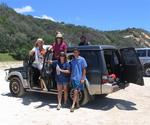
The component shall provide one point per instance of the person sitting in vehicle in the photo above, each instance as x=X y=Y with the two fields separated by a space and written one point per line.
x=62 y=77
x=38 y=52
x=59 y=45
x=83 y=41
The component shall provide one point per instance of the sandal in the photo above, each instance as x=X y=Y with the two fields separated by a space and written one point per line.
x=72 y=109
x=58 y=107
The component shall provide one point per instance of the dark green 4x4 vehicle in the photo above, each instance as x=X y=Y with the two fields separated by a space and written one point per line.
x=103 y=60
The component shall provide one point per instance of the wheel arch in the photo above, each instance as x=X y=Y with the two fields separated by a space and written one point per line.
x=18 y=75
x=146 y=65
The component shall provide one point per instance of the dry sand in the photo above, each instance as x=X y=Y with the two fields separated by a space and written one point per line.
x=125 y=107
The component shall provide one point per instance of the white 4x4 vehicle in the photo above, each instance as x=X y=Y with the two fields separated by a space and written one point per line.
x=144 y=56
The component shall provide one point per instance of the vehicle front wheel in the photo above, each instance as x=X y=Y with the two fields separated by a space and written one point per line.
x=16 y=87
x=83 y=96
x=147 y=71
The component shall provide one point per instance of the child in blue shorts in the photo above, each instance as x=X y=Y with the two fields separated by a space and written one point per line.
x=78 y=76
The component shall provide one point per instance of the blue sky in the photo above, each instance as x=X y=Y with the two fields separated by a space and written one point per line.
x=98 y=14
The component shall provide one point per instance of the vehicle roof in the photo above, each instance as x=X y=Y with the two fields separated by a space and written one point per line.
x=146 y=48
x=92 y=47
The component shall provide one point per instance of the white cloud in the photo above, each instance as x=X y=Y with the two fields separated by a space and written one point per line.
x=24 y=9
x=46 y=17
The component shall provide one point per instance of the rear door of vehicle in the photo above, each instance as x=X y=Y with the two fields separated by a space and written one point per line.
x=93 y=71
x=132 y=71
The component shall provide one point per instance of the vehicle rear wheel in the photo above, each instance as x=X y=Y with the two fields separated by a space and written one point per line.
x=16 y=87
x=103 y=95
x=147 y=71
x=83 y=96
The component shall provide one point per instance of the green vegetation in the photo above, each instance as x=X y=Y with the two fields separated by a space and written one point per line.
x=6 y=57
x=19 y=32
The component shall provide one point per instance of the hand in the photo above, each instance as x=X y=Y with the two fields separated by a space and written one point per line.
x=50 y=61
x=82 y=81
x=60 y=70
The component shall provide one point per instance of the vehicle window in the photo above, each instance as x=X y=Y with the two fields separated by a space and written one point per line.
x=149 y=53
x=92 y=59
x=141 y=53
x=129 y=56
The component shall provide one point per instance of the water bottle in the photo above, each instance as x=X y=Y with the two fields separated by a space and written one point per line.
x=58 y=70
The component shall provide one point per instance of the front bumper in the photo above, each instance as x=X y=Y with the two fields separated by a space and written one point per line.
x=110 y=88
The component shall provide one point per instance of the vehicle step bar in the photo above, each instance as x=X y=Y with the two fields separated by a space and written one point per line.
x=40 y=91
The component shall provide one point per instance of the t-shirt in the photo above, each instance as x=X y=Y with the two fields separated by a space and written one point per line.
x=39 y=58
x=44 y=47
x=77 y=65
x=59 y=48
x=84 y=43
x=62 y=77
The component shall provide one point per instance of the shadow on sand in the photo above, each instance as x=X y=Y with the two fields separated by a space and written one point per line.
x=109 y=103
x=97 y=104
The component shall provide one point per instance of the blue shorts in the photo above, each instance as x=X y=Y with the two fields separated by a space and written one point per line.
x=62 y=83
x=77 y=85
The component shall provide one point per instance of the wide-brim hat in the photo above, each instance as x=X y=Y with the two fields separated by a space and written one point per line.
x=40 y=40
x=59 y=35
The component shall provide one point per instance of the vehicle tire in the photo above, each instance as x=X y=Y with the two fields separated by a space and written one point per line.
x=16 y=87
x=83 y=96
x=147 y=71
x=103 y=95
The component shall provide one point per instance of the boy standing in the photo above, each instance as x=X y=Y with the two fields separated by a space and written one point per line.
x=78 y=76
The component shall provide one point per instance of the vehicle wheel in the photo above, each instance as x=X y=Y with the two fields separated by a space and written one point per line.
x=16 y=87
x=83 y=96
x=147 y=71
x=103 y=95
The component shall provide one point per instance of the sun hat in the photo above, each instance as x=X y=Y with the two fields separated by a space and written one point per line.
x=59 y=35
x=62 y=54
x=40 y=40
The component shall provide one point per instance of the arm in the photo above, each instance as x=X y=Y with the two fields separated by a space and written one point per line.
x=65 y=47
x=84 y=65
x=32 y=52
x=83 y=75
x=65 y=71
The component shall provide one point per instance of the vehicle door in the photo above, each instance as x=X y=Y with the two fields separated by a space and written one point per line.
x=132 y=71
x=93 y=61
x=47 y=69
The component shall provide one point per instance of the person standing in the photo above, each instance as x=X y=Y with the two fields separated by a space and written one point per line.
x=83 y=41
x=38 y=52
x=59 y=45
x=78 y=76
x=62 y=77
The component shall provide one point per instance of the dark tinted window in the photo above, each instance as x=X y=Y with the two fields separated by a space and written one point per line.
x=141 y=53
x=92 y=58
x=129 y=56
x=149 y=53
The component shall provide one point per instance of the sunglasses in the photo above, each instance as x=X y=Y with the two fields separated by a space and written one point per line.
x=75 y=52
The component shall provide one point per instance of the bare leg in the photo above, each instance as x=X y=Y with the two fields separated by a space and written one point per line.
x=65 y=94
x=43 y=85
x=77 y=102
x=74 y=100
x=59 y=96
